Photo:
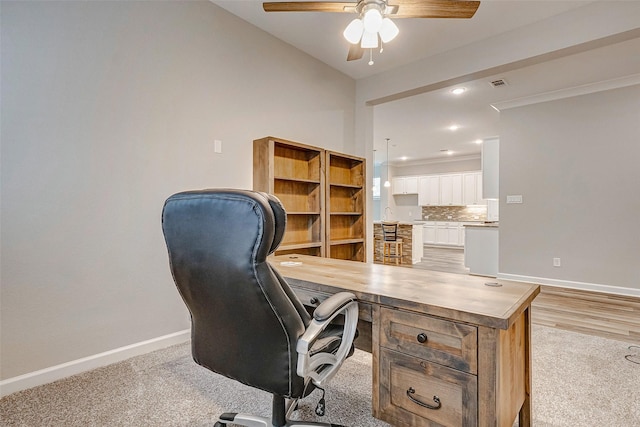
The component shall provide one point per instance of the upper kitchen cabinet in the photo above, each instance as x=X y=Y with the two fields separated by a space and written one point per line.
x=404 y=185
x=472 y=188
x=293 y=172
x=451 y=190
x=490 y=168
x=429 y=190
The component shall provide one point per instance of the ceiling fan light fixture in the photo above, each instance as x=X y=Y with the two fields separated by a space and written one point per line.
x=388 y=30
x=372 y=19
x=369 y=40
x=353 y=32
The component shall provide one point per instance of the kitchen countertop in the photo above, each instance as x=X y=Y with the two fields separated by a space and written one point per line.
x=423 y=222
x=401 y=222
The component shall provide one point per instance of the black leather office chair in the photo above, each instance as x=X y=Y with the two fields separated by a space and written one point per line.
x=246 y=322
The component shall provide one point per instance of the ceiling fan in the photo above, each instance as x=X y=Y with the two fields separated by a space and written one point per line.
x=373 y=25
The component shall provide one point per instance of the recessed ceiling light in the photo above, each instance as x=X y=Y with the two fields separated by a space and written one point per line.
x=458 y=90
x=454 y=127
x=449 y=152
x=478 y=141
x=445 y=151
x=403 y=158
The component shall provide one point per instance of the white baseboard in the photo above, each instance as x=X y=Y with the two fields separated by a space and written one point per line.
x=594 y=287
x=53 y=373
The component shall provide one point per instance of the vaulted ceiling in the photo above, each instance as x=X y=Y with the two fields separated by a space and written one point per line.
x=418 y=126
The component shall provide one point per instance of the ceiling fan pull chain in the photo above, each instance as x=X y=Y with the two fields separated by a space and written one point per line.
x=370 y=56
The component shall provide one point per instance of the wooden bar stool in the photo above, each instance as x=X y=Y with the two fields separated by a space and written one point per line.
x=392 y=244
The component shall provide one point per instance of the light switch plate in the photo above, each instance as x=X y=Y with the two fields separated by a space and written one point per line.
x=514 y=199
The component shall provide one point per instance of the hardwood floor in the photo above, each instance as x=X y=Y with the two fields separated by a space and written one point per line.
x=449 y=260
x=593 y=313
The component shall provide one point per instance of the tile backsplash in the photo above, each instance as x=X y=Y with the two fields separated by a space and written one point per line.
x=454 y=213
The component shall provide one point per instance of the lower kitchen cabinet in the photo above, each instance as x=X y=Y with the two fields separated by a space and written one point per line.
x=429 y=233
x=443 y=233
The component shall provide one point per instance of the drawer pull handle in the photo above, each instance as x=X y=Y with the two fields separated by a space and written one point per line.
x=424 y=405
x=422 y=338
x=314 y=300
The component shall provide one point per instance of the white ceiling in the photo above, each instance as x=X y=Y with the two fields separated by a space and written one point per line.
x=417 y=126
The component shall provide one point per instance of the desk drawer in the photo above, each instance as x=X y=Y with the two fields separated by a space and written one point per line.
x=406 y=382
x=442 y=341
x=312 y=298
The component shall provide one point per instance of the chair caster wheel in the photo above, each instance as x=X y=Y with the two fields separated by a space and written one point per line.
x=219 y=424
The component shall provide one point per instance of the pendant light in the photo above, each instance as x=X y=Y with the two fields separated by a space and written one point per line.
x=387 y=183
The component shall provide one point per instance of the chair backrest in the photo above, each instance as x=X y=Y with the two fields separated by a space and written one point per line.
x=389 y=231
x=245 y=318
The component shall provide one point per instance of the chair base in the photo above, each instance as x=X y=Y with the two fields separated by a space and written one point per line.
x=282 y=409
x=248 y=420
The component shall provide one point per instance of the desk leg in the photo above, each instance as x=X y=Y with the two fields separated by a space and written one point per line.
x=375 y=358
x=504 y=380
x=524 y=416
x=487 y=375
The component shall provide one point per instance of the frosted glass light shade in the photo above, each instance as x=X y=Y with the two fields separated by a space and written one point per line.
x=369 y=40
x=388 y=30
x=354 y=30
x=387 y=184
x=372 y=20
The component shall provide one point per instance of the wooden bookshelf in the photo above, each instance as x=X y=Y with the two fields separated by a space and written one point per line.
x=323 y=193
x=345 y=206
x=293 y=172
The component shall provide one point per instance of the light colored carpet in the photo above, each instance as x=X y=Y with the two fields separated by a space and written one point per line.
x=578 y=380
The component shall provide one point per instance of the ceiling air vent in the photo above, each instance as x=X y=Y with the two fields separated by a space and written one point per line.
x=498 y=83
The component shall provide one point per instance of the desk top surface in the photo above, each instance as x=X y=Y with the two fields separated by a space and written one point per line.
x=455 y=296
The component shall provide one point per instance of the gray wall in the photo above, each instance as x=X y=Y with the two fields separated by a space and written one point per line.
x=575 y=162
x=107 y=109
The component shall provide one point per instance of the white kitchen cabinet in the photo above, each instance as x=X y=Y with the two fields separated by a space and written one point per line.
x=447 y=233
x=472 y=188
x=443 y=233
x=429 y=190
x=451 y=190
x=429 y=233
x=453 y=234
x=404 y=185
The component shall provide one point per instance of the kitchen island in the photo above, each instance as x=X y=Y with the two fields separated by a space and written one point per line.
x=411 y=235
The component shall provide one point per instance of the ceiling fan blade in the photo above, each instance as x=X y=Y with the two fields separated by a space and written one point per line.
x=309 y=6
x=355 y=52
x=434 y=8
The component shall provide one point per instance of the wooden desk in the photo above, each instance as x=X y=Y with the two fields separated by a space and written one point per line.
x=433 y=334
